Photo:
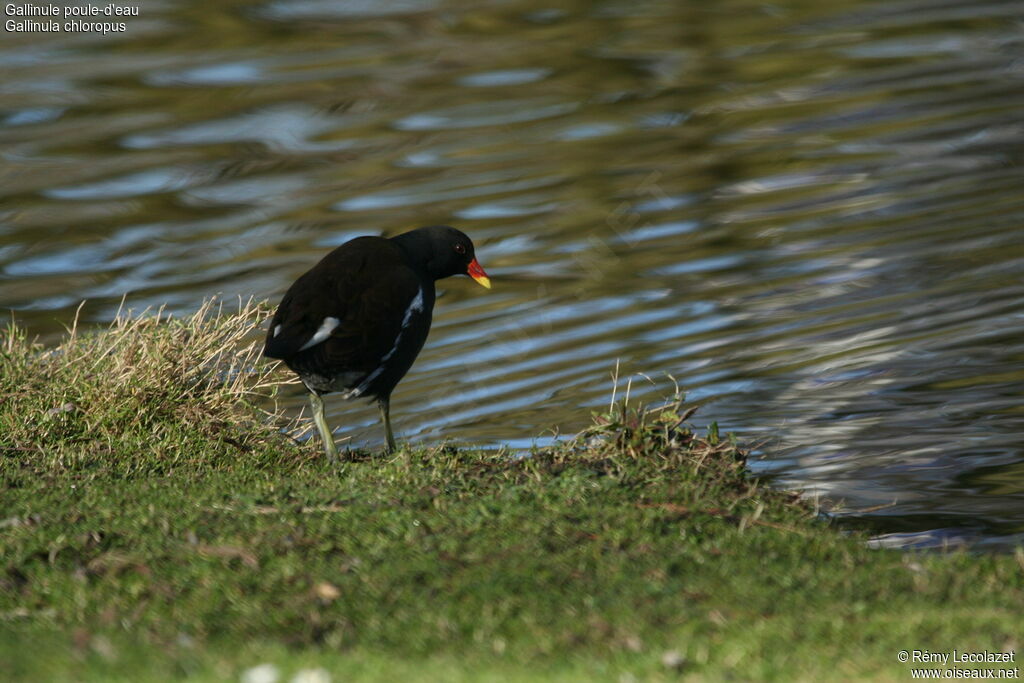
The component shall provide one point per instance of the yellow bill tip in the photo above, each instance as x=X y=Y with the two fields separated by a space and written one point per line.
x=476 y=271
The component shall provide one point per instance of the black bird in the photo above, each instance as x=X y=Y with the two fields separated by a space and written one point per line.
x=356 y=321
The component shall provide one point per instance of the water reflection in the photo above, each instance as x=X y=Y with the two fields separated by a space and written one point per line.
x=807 y=215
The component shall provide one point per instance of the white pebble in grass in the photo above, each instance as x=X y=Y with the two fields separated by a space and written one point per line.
x=673 y=660
x=263 y=673
x=311 y=676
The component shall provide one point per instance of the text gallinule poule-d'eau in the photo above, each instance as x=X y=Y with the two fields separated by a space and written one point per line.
x=356 y=321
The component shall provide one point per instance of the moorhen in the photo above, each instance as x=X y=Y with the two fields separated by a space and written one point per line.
x=355 y=322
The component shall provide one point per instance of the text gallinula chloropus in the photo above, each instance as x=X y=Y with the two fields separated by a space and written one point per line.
x=355 y=322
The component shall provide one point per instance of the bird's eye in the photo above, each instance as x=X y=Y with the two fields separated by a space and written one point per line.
x=460 y=249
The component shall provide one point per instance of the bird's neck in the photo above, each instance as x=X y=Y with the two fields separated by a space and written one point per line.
x=417 y=252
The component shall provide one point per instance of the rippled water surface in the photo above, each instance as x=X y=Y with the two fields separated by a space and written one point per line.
x=807 y=213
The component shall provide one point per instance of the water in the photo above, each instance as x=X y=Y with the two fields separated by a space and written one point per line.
x=808 y=214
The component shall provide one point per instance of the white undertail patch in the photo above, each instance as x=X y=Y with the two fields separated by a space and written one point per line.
x=321 y=334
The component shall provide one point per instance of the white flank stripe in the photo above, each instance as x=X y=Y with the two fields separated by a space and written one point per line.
x=322 y=334
x=415 y=306
x=277 y=330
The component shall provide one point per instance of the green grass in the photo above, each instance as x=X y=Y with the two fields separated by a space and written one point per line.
x=162 y=527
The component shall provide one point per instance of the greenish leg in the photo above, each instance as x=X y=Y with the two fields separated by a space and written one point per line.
x=385 y=414
x=321 y=424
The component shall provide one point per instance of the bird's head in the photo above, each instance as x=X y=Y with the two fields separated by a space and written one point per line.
x=445 y=251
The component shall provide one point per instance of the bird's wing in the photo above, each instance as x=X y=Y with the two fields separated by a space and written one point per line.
x=346 y=314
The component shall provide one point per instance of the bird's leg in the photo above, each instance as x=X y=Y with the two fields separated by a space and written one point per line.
x=321 y=424
x=385 y=414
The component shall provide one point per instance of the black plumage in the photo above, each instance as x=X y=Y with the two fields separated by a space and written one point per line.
x=356 y=321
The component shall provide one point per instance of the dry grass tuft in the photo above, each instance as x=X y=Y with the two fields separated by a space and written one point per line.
x=148 y=390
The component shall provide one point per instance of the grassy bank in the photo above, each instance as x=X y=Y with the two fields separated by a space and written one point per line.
x=157 y=524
